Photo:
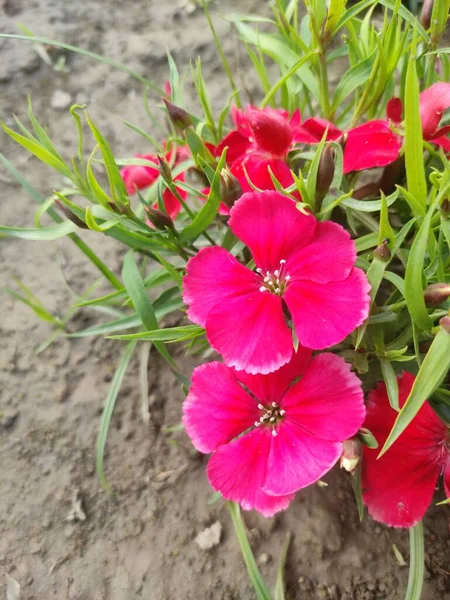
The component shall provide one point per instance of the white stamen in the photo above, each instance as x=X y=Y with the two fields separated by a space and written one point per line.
x=257 y=423
x=282 y=261
x=260 y=406
x=282 y=412
x=262 y=288
x=268 y=273
x=274 y=404
x=274 y=433
x=287 y=277
x=258 y=270
x=272 y=419
x=277 y=290
x=276 y=273
x=266 y=279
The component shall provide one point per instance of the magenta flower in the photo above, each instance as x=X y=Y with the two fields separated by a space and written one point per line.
x=302 y=266
x=271 y=435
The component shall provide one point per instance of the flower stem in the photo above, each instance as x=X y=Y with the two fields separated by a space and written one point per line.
x=260 y=587
x=324 y=91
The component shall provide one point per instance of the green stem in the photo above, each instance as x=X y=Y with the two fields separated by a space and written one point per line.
x=324 y=91
x=113 y=280
x=256 y=579
x=416 y=562
x=226 y=66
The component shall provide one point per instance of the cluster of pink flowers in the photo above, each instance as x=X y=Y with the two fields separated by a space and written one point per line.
x=273 y=415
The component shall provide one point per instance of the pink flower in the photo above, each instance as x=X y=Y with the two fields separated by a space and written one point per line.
x=303 y=266
x=139 y=177
x=292 y=430
x=399 y=486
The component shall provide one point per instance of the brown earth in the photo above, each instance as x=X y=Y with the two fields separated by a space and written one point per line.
x=139 y=542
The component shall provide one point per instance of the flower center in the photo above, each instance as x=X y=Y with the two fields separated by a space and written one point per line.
x=275 y=282
x=271 y=415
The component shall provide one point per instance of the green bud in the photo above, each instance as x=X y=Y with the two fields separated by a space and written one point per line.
x=325 y=172
x=164 y=169
x=69 y=214
x=230 y=188
x=382 y=251
x=159 y=219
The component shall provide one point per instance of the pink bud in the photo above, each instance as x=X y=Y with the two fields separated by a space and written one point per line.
x=325 y=173
x=445 y=323
x=159 y=219
x=351 y=455
x=436 y=293
x=425 y=16
x=382 y=251
x=164 y=169
x=271 y=131
x=179 y=117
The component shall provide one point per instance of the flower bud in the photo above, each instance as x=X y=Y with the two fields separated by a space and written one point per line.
x=69 y=214
x=230 y=188
x=436 y=293
x=351 y=455
x=159 y=219
x=445 y=208
x=445 y=323
x=382 y=251
x=325 y=172
x=425 y=16
x=179 y=117
x=164 y=169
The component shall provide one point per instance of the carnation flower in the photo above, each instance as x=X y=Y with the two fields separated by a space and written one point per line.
x=303 y=267
x=271 y=435
x=139 y=177
x=398 y=487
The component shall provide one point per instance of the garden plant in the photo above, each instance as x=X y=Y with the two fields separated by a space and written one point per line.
x=298 y=243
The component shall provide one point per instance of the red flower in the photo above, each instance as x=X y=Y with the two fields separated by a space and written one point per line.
x=261 y=141
x=399 y=486
x=370 y=145
x=139 y=177
x=292 y=430
x=301 y=263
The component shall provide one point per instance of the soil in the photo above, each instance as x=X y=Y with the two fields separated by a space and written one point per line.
x=61 y=535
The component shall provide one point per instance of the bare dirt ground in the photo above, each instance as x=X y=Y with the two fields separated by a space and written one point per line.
x=139 y=542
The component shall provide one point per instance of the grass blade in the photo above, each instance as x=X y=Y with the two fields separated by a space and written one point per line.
x=108 y=412
x=416 y=563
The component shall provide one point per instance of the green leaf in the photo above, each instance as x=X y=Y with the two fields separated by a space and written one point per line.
x=170 y=334
x=356 y=484
x=287 y=75
x=416 y=207
x=209 y=210
x=279 y=584
x=351 y=80
x=197 y=147
x=416 y=562
x=108 y=412
x=262 y=592
x=431 y=373
x=390 y=379
x=51 y=233
x=39 y=151
x=374 y=274
x=385 y=230
x=414 y=162
x=35 y=304
x=335 y=12
x=414 y=274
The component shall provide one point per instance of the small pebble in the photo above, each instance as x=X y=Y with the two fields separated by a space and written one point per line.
x=209 y=537
x=60 y=100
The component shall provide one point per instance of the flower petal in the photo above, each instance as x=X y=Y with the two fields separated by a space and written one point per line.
x=399 y=486
x=433 y=102
x=237 y=145
x=394 y=110
x=330 y=255
x=370 y=145
x=297 y=458
x=250 y=332
x=270 y=129
x=271 y=226
x=217 y=408
x=328 y=401
x=312 y=131
x=271 y=387
x=213 y=277
x=255 y=166
x=324 y=314
x=238 y=470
